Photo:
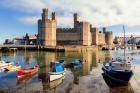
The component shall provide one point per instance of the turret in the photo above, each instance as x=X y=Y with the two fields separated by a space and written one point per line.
x=75 y=17
x=45 y=14
x=53 y=16
x=75 y=20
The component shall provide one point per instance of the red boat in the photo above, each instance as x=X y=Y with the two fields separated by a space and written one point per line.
x=27 y=72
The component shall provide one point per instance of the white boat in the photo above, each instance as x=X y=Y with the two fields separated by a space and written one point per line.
x=54 y=76
x=57 y=71
x=120 y=69
x=4 y=64
x=55 y=83
x=11 y=68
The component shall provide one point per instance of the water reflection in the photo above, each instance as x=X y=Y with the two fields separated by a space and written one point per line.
x=88 y=77
x=49 y=86
x=76 y=74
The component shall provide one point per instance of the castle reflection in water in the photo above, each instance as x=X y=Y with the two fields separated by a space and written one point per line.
x=30 y=58
x=43 y=59
x=90 y=58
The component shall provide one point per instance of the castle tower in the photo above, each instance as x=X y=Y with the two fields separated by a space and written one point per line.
x=53 y=16
x=75 y=17
x=86 y=34
x=47 y=32
x=95 y=36
x=109 y=38
x=45 y=14
x=76 y=20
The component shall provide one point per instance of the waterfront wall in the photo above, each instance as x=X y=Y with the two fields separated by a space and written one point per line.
x=6 y=48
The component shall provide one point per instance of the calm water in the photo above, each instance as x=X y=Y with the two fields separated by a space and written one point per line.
x=85 y=79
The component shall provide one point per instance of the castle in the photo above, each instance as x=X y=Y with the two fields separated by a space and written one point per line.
x=81 y=34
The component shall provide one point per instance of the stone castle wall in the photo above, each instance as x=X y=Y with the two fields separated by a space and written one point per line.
x=81 y=34
x=67 y=36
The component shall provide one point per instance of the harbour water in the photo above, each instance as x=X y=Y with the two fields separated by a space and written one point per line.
x=88 y=78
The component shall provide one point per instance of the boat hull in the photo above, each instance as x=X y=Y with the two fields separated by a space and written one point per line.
x=54 y=76
x=23 y=73
x=120 y=76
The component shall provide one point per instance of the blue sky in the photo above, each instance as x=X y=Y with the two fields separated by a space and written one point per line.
x=11 y=27
x=18 y=17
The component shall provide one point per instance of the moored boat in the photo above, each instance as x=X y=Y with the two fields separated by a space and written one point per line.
x=119 y=70
x=76 y=62
x=56 y=71
x=4 y=64
x=27 y=72
x=11 y=68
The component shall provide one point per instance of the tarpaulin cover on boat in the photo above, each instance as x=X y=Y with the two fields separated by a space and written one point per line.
x=76 y=62
x=56 y=67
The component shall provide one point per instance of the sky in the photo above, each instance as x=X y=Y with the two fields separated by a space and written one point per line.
x=18 y=17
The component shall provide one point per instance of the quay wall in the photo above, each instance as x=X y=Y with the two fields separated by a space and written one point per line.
x=80 y=49
x=51 y=49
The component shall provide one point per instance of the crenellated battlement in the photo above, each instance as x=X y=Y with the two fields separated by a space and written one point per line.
x=82 y=31
x=49 y=21
x=65 y=30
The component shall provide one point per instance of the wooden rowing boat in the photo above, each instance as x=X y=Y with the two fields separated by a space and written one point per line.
x=27 y=72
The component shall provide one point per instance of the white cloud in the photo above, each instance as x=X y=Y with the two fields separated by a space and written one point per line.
x=97 y=12
x=28 y=20
x=65 y=21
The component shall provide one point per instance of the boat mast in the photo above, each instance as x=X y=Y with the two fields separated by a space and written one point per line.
x=124 y=41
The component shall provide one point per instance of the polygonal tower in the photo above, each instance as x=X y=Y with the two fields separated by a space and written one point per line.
x=85 y=33
x=108 y=37
x=47 y=29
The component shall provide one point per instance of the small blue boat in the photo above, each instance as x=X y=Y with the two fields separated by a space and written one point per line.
x=56 y=70
x=76 y=62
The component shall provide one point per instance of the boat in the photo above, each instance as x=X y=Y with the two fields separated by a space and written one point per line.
x=76 y=62
x=8 y=66
x=11 y=68
x=53 y=84
x=4 y=64
x=56 y=71
x=27 y=72
x=120 y=69
x=61 y=62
